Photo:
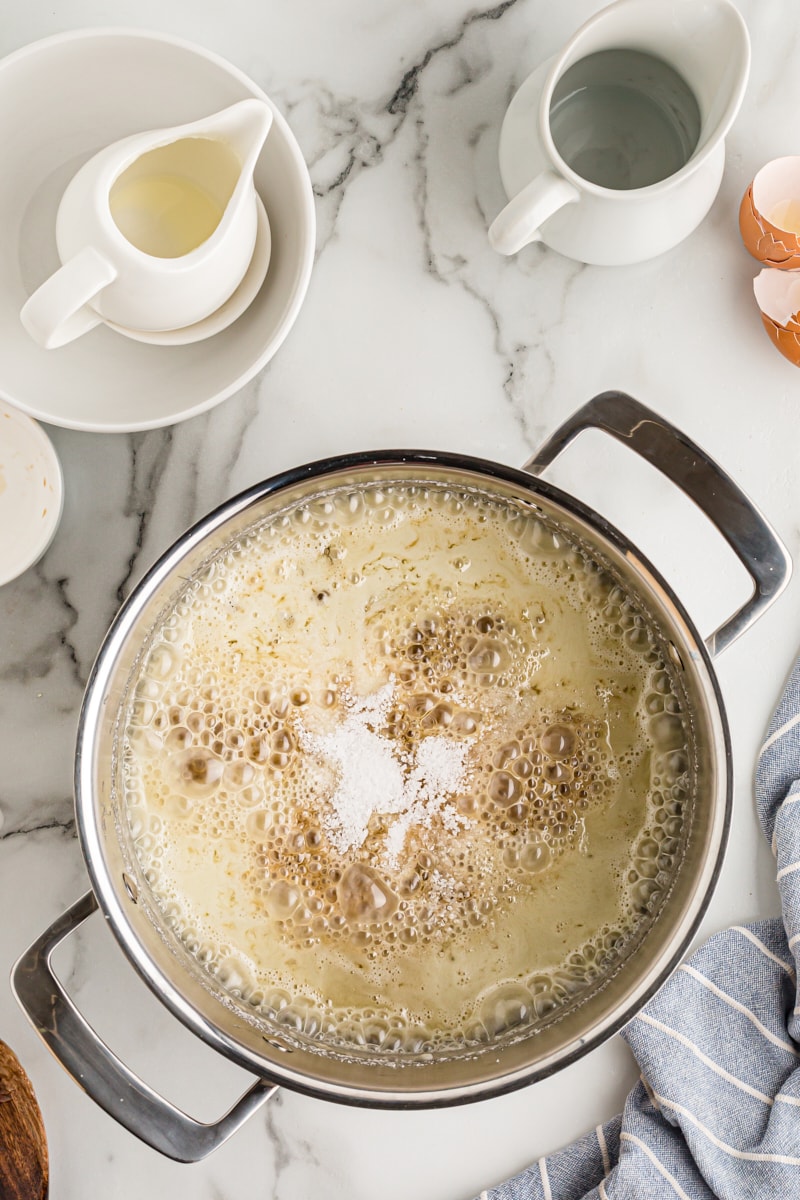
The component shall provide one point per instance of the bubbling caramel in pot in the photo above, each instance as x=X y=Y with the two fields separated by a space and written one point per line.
x=405 y=769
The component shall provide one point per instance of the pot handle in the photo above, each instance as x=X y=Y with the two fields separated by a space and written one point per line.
x=97 y=1070
x=747 y=532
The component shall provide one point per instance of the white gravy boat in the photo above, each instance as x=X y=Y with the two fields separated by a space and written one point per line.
x=708 y=46
x=156 y=231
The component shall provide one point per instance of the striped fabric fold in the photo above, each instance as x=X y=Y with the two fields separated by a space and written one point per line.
x=716 y=1113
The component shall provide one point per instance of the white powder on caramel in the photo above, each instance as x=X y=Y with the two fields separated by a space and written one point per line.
x=437 y=773
x=374 y=776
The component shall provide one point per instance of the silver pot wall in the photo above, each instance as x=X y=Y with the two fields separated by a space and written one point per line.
x=120 y=891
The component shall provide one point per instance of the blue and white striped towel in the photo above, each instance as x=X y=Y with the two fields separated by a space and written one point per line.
x=716 y=1112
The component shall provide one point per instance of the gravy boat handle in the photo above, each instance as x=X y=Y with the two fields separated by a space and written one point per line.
x=518 y=223
x=58 y=311
x=97 y=1070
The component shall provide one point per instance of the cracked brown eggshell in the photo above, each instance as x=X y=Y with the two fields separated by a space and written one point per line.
x=776 y=185
x=778 y=297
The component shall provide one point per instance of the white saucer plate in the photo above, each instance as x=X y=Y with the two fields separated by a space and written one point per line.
x=61 y=100
x=31 y=492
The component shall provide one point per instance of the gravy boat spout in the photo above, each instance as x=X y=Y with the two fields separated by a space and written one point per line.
x=710 y=46
x=243 y=126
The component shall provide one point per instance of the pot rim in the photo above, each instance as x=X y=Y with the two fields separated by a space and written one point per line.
x=278 y=1067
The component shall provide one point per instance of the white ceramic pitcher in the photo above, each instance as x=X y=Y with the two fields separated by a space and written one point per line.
x=156 y=231
x=707 y=44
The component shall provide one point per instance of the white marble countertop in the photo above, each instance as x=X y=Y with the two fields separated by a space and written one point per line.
x=413 y=333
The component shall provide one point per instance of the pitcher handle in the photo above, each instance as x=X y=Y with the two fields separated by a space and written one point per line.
x=752 y=539
x=97 y=1070
x=518 y=223
x=58 y=311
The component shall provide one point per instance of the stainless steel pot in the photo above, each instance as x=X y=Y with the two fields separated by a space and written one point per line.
x=224 y=1023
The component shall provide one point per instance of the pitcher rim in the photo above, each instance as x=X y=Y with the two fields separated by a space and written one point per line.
x=696 y=159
